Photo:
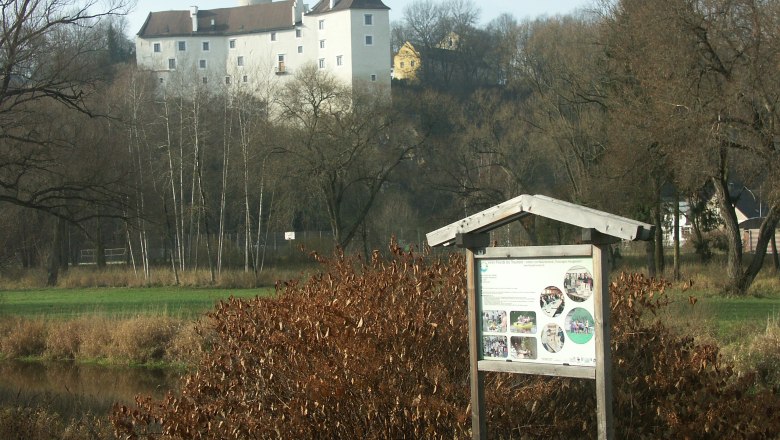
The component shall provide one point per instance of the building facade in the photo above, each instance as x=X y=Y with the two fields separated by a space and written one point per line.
x=262 y=40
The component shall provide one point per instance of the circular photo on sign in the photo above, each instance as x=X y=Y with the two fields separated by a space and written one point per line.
x=494 y=321
x=494 y=347
x=579 y=325
x=551 y=301
x=522 y=347
x=578 y=283
x=552 y=338
x=522 y=322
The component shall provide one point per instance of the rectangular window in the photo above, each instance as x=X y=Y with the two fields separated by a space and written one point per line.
x=182 y=46
x=232 y=43
x=280 y=63
x=298 y=33
x=300 y=49
x=369 y=40
x=171 y=63
x=205 y=80
x=368 y=19
x=322 y=44
x=157 y=48
x=402 y=64
x=373 y=77
x=245 y=78
x=321 y=24
x=162 y=80
x=202 y=64
x=240 y=61
x=322 y=63
x=339 y=60
x=205 y=46
x=273 y=36
x=227 y=80
x=412 y=63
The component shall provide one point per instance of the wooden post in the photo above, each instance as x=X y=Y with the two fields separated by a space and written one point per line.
x=476 y=377
x=603 y=354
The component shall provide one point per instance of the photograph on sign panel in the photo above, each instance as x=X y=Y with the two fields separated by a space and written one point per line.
x=579 y=325
x=551 y=301
x=522 y=322
x=494 y=347
x=494 y=321
x=523 y=347
x=578 y=283
x=552 y=338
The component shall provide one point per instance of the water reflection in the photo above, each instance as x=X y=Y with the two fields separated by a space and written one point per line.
x=73 y=389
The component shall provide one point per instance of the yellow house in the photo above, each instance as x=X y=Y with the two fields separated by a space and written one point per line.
x=406 y=62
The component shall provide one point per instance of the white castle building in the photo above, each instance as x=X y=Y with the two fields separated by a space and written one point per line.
x=262 y=39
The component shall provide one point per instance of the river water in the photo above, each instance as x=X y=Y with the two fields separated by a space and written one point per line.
x=73 y=389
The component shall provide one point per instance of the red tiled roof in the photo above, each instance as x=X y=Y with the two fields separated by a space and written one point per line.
x=238 y=20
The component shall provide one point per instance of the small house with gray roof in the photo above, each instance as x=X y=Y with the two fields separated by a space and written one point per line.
x=263 y=40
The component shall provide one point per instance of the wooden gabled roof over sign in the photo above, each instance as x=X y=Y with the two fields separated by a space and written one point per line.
x=518 y=207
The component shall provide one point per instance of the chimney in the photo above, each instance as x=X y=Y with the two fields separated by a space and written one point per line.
x=194 y=16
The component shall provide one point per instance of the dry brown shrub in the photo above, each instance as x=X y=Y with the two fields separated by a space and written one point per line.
x=378 y=350
x=36 y=423
x=142 y=339
x=19 y=278
x=762 y=355
x=96 y=339
x=23 y=337
x=63 y=339
x=190 y=342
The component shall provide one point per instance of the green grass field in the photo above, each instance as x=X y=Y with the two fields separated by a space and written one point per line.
x=119 y=302
x=727 y=319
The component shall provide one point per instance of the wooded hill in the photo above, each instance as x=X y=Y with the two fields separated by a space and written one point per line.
x=606 y=109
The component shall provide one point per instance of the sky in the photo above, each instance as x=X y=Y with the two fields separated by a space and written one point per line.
x=489 y=9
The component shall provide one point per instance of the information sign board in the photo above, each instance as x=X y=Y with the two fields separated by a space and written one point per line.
x=537 y=310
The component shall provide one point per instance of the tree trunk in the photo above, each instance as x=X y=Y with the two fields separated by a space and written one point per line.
x=765 y=234
x=731 y=227
x=650 y=258
x=64 y=244
x=100 y=247
x=53 y=269
x=206 y=225
x=171 y=238
x=677 y=237
x=775 y=258
x=658 y=250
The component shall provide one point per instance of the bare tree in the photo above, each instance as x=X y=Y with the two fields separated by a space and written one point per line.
x=49 y=67
x=708 y=68
x=342 y=143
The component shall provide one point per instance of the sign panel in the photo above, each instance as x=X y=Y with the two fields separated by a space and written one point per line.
x=289 y=236
x=538 y=310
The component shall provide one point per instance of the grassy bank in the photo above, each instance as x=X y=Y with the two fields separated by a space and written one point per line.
x=183 y=303
x=113 y=325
